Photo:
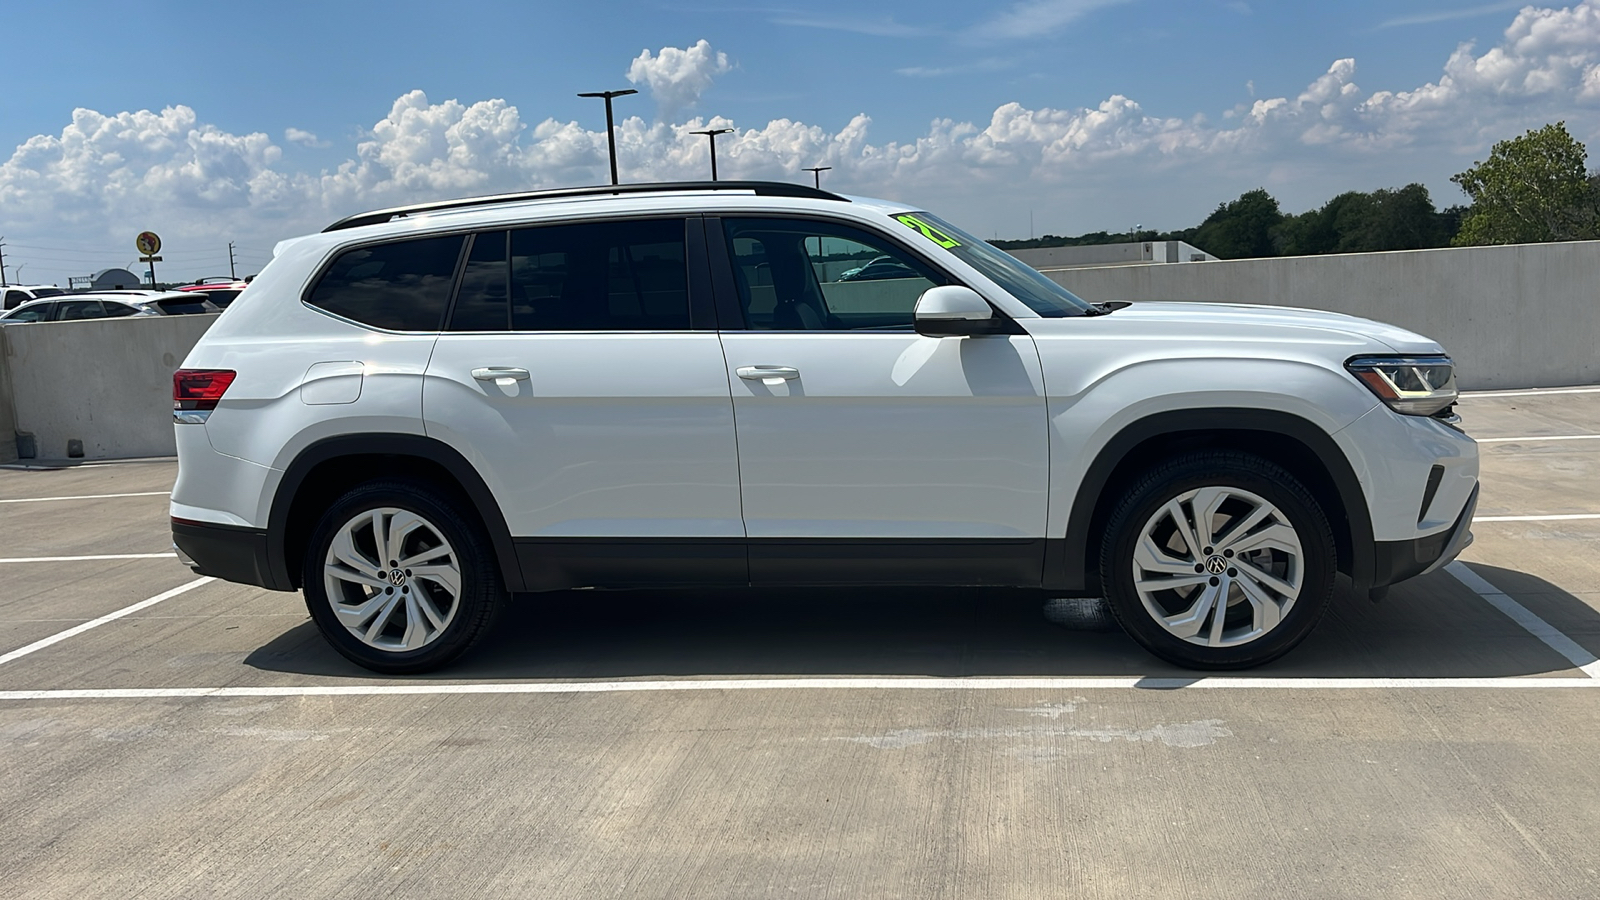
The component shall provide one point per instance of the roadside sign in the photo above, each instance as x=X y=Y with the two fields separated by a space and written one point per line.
x=148 y=242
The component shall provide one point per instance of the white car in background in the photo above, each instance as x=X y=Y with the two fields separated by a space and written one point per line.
x=75 y=307
x=14 y=295
x=420 y=412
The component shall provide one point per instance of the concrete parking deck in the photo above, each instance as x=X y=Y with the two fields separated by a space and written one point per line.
x=166 y=735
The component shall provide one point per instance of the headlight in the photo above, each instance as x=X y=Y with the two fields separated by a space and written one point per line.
x=1416 y=386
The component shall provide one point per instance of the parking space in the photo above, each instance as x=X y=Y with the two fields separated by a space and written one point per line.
x=816 y=743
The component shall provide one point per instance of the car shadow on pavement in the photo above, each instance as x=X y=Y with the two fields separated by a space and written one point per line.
x=1431 y=627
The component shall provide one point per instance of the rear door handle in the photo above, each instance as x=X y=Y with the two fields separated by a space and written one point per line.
x=767 y=373
x=496 y=373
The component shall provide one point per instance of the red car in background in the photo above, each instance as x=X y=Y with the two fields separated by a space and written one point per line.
x=219 y=291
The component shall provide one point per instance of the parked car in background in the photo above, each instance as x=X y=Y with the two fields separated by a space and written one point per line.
x=109 y=305
x=17 y=294
x=220 y=291
x=77 y=306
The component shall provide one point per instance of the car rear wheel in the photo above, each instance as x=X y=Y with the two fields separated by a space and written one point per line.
x=398 y=579
x=1218 y=560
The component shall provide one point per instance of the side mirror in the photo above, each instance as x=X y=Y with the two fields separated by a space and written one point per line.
x=954 y=311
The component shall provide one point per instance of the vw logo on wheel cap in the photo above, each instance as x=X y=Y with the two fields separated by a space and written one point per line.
x=397 y=578
x=1216 y=565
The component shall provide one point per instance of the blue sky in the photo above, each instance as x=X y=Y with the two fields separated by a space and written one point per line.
x=267 y=120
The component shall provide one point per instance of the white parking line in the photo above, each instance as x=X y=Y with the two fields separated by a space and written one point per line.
x=1539 y=437
x=91 y=497
x=1490 y=395
x=1539 y=628
x=1558 y=518
x=96 y=623
x=816 y=684
x=38 y=559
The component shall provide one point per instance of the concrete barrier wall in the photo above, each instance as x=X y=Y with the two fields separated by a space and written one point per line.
x=1512 y=317
x=107 y=383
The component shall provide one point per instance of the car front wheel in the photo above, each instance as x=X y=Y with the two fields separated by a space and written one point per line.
x=1218 y=560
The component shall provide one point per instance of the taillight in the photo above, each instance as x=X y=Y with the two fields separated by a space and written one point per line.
x=195 y=392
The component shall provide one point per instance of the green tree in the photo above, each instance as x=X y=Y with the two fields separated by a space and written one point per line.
x=1358 y=222
x=1531 y=189
x=1240 y=229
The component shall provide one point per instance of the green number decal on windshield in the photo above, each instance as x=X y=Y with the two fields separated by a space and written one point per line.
x=928 y=231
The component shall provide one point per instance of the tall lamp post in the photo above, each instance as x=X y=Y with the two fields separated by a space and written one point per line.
x=611 y=133
x=711 y=135
x=816 y=172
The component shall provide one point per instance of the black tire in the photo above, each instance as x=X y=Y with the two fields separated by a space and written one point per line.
x=1146 y=497
x=481 y=590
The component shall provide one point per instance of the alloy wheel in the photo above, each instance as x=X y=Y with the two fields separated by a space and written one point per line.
x=392 y=579
x=1218 y=566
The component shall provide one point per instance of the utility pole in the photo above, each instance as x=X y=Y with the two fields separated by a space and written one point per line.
x=2 y=262
x=816 y=173
x=711 y=135
x=611 y=129
x=232 y=273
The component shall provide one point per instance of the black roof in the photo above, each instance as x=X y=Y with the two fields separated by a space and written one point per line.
x=762 y=188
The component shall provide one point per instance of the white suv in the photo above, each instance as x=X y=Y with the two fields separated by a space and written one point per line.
x=420 y=411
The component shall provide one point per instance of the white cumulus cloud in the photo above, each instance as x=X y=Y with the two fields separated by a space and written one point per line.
x=677 y=77
x=302 y=137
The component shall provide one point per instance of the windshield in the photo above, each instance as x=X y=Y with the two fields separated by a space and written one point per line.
x=1020 y=280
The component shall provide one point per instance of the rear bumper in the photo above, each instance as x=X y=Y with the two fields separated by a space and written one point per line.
x=1397 y=561
x=229 y=552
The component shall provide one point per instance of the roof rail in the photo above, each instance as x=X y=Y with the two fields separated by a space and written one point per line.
x=760 y=188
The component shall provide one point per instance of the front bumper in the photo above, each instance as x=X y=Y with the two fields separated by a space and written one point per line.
x=1397 y=561
x=229 y=552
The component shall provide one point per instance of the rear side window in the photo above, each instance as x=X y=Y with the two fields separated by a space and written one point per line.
x=72 y=310
x=402 y=286
x=592 y=276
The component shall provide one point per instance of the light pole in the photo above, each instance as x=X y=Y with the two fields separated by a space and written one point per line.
x=711 y=135
x=611 y=136
x=816 y=173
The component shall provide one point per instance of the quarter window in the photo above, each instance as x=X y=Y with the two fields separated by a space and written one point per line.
x=401 y=286
x=804 y=275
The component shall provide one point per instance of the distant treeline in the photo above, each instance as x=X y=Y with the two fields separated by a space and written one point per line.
x=1532 y=189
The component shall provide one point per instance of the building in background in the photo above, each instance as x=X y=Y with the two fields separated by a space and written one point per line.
x=1093 y=255
x=115 y=280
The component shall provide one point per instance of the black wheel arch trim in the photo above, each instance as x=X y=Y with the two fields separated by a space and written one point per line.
x=1067 y=567
x=401 y=445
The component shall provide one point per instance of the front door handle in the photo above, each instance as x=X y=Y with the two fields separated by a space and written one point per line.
x=498 y=373
x=768 y=374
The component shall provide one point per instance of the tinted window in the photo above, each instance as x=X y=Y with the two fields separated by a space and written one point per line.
x=116 y=310
x=15 y=299
x=48 y=292
x=35 y=313
x=803 y=275
x=600 y=276
x=402 y=286
x=481 y=304
x=68 y=310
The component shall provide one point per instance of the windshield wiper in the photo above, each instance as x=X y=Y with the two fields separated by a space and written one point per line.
x=1107 y=308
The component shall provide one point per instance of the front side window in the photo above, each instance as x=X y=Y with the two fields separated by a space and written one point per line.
x=16 y=298
x=36 y=313
x=400 y=286
x=808 y=275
